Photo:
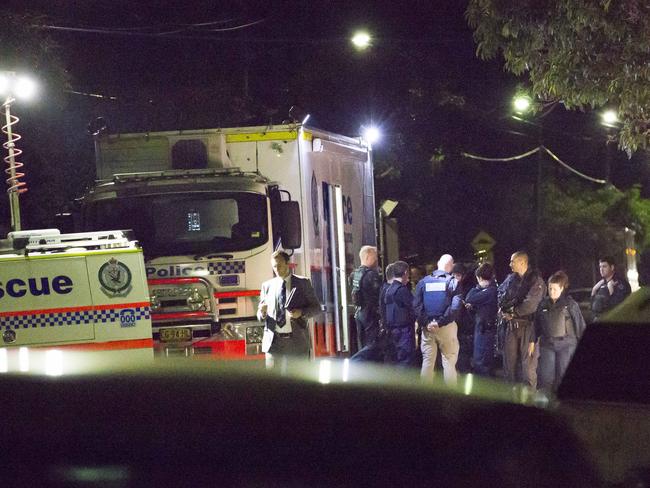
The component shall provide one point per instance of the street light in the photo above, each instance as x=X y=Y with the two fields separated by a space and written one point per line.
x=361 y=40
x=12 y=87
x=521 y=104
x=609 y=120
x=371 y=134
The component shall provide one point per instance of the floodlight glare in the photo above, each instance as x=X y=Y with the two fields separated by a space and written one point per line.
x=371 y=134
x=5 y=84
x=361 y=40
x=521 y=104
x=24 y=88
x=609 y=117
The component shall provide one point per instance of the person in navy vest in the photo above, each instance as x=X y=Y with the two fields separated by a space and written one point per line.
x=559 y=324
x=399 y=316
x=436 y=317
x=481 y=301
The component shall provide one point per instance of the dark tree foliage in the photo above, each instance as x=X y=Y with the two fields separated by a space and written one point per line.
x=583 y=53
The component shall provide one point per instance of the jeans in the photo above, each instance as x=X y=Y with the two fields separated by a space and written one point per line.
x=555 y=353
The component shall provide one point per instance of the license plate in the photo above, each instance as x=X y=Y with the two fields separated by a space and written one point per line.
x=175 y=335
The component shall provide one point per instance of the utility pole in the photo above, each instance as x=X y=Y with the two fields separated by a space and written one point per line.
x=539 y=198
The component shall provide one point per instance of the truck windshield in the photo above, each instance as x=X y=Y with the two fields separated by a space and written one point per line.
x=186 y=224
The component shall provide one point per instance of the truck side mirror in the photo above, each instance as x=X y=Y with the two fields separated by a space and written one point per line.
x=291 y=228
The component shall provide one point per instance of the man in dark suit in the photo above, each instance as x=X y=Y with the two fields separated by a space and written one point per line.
x=286 y=302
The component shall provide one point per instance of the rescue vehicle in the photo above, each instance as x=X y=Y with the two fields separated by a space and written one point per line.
x=210 y=206
x=86 y=290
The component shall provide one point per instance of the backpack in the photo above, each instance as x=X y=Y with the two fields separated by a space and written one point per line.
x=357 y=293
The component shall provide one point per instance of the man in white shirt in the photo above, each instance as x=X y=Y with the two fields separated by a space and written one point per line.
x=286 y=302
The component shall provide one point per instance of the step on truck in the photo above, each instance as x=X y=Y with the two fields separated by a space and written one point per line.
x=211 y=206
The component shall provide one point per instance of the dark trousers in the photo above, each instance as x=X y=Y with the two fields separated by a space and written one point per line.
x=367 y=328
x=483 y=351
x=555 y=353
x=297 y=344
x=401 y=345
x=375 y=351
x=518 y=366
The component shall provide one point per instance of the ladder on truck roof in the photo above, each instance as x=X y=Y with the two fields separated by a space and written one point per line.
x=176 y=173
x=43 y=240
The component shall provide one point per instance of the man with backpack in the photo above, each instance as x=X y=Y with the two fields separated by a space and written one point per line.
x=365 y=284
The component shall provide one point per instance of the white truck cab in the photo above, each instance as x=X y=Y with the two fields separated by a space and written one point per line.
x=210 y=207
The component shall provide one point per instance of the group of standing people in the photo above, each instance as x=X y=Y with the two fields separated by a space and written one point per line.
x=540 y=325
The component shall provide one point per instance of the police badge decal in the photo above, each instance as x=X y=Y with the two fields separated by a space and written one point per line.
x=115 y=278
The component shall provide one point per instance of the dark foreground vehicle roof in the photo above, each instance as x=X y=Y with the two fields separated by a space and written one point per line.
x=327 y=423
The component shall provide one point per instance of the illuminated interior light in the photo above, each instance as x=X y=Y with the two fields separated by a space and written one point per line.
x=346 y=370
x=343 y=278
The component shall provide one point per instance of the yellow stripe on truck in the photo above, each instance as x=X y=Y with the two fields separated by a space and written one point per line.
x=263 y=136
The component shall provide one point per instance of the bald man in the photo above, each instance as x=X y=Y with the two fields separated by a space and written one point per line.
x=519 y=295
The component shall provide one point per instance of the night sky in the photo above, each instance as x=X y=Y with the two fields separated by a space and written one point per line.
x=162 y=66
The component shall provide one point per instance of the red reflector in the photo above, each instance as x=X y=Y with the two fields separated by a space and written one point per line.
x=237 y=293
x=172 y=281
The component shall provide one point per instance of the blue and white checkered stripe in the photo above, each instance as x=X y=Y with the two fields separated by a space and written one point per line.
x=83 y=317
x=227 y=267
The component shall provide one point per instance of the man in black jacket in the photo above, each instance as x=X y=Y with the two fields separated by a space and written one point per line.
x=365 y=284
x=519 y=296
x=611 y=290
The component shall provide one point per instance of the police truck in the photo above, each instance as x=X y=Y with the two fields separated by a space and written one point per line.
x=210 y=206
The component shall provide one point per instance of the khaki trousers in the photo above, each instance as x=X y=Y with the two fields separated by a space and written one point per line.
x=445 y=338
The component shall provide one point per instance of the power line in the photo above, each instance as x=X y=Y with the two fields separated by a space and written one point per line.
x=530 y=153
x=140 y=32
